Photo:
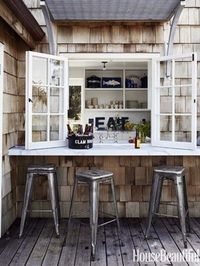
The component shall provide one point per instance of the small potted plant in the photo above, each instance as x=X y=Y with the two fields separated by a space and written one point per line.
x=144 y=129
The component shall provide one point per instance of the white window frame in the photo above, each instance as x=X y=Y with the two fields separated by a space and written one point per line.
x=155 y=112
x=1 y=127
x=153 y=76
x=29 y=144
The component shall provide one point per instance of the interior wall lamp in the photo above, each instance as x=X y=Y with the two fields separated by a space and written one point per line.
x=104 y=64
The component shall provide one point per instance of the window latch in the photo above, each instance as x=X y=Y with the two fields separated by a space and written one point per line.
x=29 y=100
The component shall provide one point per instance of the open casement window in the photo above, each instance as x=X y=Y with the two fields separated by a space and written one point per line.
x=174 y=102
x=46 y=100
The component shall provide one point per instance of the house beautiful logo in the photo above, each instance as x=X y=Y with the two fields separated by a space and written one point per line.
x=162 y=256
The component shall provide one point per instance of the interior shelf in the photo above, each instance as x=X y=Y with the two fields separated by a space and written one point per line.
x=117 y=110
x=103 y=89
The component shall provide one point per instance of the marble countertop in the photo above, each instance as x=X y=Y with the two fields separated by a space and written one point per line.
x=105 y=149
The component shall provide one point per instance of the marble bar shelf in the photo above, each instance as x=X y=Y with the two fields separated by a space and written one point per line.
x=105 y=149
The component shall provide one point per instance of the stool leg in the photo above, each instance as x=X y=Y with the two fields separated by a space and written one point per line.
x=115 y=205
x=181 y=207
x=186 y=205
x=27 y=196
x=94 y=206
x=158 y=194
x=57 y=194
x=72 y=203
x=52 y=190
x=152 y=202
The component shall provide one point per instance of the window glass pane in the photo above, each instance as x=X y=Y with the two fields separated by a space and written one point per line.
x=39 y=70
x=56 y=127
x=183 y=70
x=56 y=72
x=166 y=100
x=39 y=128
x=165 y=128
x=74 y=102
x=183 y=128
x=183 y=100
x=165 y=73
x=56 y=100
x=39 y=99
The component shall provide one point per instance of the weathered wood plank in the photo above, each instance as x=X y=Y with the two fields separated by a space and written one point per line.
x=55 y=247
x=8 y=236
x=153 y=242
x=25 y=249
x=40 y=246
x=140 y=244
x=83 y=253
x=167 y=241
x=39 y=251
x=127 y=246
x=68 y=253
x=100 y=259
x=113 y=249
x=14 y=244
x=175 y=232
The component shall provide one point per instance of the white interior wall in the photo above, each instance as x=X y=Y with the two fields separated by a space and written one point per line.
x=79 y=72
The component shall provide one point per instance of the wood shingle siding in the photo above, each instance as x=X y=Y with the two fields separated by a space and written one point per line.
x=132 y=176
x=12 y=112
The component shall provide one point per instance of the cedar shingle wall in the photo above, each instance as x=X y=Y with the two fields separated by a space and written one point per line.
x=12 y=113
x=132 y=176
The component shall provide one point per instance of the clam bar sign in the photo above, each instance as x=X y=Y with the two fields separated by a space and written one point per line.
x=83 y=141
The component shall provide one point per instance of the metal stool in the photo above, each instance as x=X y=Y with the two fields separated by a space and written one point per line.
x=177 y=175
x=50 y=171
x=93 y=178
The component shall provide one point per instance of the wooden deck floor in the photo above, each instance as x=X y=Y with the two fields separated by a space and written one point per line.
x=40 y=246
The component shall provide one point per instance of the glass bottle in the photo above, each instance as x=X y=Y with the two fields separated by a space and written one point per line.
x=137 y=141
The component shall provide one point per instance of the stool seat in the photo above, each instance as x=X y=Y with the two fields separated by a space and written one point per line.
x=176 y=170
x=50 y=171
x=91 y=175
x=177 y=175
x=41 y=168
x=94 y=178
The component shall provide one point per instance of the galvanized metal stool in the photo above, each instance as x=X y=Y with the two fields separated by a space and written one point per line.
x=93 y=178
x=50 y=171
x=177 y=175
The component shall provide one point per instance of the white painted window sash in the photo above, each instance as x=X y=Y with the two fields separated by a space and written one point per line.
x=155 y=116
x=29 y=144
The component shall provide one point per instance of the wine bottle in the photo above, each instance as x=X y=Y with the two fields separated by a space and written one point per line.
x=86 y=132
x=91 y=129
x=137 y=141
x=70 y=131
x=80 y=129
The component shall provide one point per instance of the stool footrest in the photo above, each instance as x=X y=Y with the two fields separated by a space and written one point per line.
x=168 y=204
x=165 y=215
x=39 y=210
x=108 y=222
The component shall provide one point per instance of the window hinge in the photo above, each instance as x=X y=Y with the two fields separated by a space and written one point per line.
x=192 y=57
x=29 y=100
x=194 y=100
